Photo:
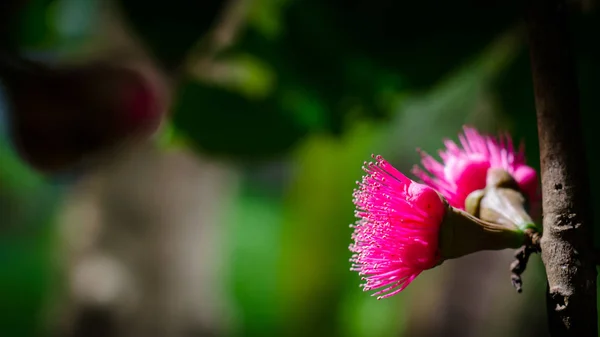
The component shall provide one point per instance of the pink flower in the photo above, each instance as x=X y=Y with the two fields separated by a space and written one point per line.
x=464 y=170
x=396 y=236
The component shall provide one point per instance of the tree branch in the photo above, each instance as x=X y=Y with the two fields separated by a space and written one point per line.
x=567 y=247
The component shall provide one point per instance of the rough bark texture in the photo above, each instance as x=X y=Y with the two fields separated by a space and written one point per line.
x=567 y=247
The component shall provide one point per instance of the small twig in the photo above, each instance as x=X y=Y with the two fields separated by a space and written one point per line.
x=201 y=61
x=522 y=257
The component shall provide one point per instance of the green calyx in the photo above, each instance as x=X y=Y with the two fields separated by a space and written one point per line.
x=461 y=234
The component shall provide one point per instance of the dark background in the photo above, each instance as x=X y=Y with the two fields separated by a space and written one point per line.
x=232 y=219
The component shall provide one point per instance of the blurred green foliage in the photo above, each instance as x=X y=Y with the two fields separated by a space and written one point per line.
x=313 y=88
x=27 y=208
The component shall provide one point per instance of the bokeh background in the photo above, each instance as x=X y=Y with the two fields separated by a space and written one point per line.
x=232 y=219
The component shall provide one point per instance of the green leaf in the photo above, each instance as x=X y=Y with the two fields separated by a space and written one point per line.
x=225 y=123
x=265 y=16
x=246 y=75
x=56 y=24
x=35 y=28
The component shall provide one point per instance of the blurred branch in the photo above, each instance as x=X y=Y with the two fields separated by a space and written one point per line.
x=567 y=248
x=142 y=259
x=201 y=62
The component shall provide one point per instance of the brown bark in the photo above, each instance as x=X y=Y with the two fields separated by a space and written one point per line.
x=567 y=247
